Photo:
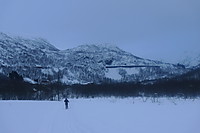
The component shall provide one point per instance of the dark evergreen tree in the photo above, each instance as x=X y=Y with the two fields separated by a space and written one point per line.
x=15 y=76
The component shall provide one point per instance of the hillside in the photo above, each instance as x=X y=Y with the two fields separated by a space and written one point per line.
x=39 y=60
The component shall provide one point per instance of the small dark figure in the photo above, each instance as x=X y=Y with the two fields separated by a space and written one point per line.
x=66 y=103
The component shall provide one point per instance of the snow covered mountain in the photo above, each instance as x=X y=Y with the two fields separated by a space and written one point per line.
x=191 y=58
x=38 y=59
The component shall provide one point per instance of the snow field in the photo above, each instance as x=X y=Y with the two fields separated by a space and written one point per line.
x=101 y=115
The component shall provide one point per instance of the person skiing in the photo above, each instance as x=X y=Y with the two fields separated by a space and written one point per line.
x=66 y=103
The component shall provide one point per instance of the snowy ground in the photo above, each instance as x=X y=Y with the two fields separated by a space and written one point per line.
x=103 y=115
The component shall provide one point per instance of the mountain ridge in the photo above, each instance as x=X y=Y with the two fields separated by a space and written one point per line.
x=83 y=64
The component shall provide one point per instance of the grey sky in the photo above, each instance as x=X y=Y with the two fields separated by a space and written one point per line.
x=155 y=29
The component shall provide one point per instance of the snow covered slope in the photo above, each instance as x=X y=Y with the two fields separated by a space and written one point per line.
x=38 y=59
x=190 y=58
x=102 y=115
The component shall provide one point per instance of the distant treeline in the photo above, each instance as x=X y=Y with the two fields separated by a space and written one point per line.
x=184 y=89
x=14 y=88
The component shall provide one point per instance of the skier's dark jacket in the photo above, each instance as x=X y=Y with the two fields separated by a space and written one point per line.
x=66 y=101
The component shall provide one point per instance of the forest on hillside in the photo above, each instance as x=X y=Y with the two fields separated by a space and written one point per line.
x=14 y=87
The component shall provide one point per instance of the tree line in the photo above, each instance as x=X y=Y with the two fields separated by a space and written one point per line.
x=15 y=88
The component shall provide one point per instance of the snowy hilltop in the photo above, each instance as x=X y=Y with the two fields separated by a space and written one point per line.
x=37 y=59
x=191 y=58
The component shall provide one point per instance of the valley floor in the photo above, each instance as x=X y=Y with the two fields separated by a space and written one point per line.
x=101 y=115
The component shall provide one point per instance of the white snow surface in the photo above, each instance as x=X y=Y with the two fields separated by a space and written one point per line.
x=131 y=71
x=101 y=115
x=30 y=81
x=113 y=73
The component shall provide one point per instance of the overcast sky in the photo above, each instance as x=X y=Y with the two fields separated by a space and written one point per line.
x=155 y=29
